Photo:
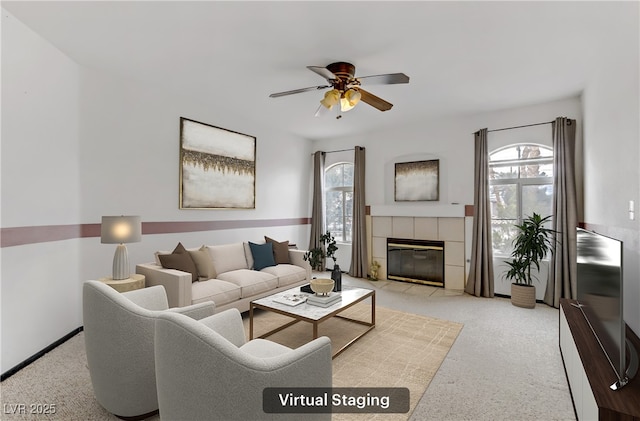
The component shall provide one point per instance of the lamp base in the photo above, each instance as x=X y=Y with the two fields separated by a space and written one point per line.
x=121 y=263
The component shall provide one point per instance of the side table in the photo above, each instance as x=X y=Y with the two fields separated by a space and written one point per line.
x=135 y=281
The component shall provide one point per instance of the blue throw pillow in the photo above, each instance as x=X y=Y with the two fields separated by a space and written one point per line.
x=262 y=255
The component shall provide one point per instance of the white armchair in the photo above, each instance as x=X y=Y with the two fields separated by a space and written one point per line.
x=119 y=333
x=206 y=370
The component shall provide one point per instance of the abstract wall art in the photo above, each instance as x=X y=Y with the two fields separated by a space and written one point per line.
x=217 y=167
x=417 y=181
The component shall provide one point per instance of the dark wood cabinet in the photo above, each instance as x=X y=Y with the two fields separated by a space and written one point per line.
x=590 y=374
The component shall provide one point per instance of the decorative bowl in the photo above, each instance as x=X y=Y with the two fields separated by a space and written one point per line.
x=322 y=286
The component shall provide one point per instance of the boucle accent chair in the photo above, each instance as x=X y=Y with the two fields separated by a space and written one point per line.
x=207 y=371
x=118 y=331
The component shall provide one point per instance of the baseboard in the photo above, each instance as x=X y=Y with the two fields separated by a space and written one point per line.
x=39 y=354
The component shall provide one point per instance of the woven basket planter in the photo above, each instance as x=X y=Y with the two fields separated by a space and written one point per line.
x=523 y=295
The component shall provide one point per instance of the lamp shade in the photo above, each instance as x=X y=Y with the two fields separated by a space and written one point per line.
x=349 y=100
x=331 y=98
x=120 y=229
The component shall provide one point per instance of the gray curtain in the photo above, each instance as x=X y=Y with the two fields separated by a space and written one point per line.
x=359 y=257
x=562 y=276
x=480 y=281
x=317 y=211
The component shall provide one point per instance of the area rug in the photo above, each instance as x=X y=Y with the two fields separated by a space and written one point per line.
x=403 y=350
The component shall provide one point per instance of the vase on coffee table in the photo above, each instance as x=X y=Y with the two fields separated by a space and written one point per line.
x=336 y=275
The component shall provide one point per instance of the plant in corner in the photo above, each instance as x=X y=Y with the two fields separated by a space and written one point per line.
x=532 y=244
x=317 y=255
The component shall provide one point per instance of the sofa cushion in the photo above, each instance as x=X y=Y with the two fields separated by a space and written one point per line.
x=203 y=262
x=262 y=255
x=247 y=253
x=228 y=257
x=251 y=282
x=220 y=292
x=280 y=250
x=287 y=274
x=179 y=259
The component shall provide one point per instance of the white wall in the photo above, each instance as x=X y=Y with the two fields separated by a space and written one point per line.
x=611 y=155
x=130 y=165
x=40 y=186
x=78 y=144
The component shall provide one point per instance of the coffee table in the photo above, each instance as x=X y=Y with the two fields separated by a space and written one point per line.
x=314 y=314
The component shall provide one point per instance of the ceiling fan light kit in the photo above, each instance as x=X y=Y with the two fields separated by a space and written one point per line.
x=331 y=98
x=346 y=87
x=347 y=100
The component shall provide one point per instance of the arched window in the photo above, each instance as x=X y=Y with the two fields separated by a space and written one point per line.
x=520 y=183
x=338 y=184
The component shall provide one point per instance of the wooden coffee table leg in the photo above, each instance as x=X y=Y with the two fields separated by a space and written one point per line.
x=315 y=330
x=250 y=321
x=373 y=309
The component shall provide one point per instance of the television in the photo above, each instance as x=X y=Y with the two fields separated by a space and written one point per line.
x=600 y=297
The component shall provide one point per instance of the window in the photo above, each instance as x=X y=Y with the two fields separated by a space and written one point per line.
x=520 y=183
x=338 y=185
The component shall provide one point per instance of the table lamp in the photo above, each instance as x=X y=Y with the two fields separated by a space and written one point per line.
x=120 y=230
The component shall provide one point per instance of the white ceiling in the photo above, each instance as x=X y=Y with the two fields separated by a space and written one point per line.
x=462 y=57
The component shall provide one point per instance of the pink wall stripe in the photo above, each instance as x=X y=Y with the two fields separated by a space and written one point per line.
x=18 y=236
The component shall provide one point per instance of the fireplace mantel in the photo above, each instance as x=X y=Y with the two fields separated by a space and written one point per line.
x=441 y=211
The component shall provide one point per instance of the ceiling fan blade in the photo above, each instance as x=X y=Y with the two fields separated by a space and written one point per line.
x=298 y=91
x=323 y=71
x=388 y=79
x=374 y=101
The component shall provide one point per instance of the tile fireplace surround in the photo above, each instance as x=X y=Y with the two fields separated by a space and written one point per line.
x=442 y=223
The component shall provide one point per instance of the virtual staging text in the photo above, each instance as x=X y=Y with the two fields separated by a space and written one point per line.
x=279 y=400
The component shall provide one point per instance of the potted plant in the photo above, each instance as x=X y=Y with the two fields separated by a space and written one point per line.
x=532 y=244
x=317 y=255
x=336 y=273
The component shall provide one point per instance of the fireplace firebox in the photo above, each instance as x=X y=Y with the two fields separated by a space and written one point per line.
x=418 y=261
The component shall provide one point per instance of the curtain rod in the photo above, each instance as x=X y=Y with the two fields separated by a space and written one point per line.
x=340 y=150
x=518 y=127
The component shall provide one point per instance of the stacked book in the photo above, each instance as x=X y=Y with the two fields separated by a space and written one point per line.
x=324 y=300
x=291 y=299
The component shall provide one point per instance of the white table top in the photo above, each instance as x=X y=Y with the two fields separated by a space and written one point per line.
x=348 y=296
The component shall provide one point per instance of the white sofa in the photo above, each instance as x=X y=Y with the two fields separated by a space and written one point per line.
x=228 y=278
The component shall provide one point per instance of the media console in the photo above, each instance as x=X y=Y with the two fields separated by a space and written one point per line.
x=590 y=374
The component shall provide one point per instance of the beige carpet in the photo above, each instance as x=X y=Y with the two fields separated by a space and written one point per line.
x=403 y=350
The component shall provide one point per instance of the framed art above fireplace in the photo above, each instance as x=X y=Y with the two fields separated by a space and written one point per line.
x=417 y=181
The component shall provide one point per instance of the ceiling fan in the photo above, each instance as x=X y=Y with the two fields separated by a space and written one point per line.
x=347 y=91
